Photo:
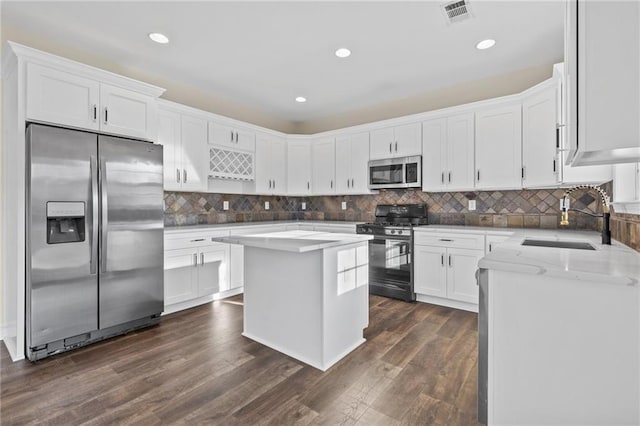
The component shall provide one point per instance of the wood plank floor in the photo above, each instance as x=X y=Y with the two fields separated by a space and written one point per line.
x=418 y=367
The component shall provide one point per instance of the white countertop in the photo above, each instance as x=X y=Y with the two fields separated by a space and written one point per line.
x=295 y=241
x=615 y=263
x=187 y=228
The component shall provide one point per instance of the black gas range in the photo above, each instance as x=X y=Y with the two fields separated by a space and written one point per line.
x=391 y=249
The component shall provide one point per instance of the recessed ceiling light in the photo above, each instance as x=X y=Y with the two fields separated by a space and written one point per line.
x=485 y=44
x=343 y=52
x=159 y=38
x=301 y=99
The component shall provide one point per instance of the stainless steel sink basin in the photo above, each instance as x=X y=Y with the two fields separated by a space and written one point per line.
x=558 y=244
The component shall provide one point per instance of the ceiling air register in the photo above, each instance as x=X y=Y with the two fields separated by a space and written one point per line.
x=456 y=11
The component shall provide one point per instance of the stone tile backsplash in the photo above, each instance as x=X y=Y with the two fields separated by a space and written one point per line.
x=626 y=229
x=538 y=208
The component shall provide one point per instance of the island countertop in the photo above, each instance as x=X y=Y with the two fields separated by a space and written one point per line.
x=294 y=241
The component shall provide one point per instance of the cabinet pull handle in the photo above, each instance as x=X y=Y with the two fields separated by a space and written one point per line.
x=490 y=247
x=236 y=137
x=95 y=112
x=202 y=259
x=308 y=185
x=184 y=175
x=442 y=259
x=274 y=184
x=449 y=177
x=232 y=136
x=554 y=165
x=557 y=136
x=195 y=259
x=478 y=175
x=177 y=175
x=442 y=177
x=332 y=184
x=446 y=239
x=269 y=183
x=396 y=146
x=522 y=172
x=197 y=239
x=352 y=182
x=449 y=260
x=390 y=148
x=106 y=115
x=347 y=183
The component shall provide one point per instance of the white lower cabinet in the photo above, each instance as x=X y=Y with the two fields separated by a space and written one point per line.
x=195 y=269
x=445 y=266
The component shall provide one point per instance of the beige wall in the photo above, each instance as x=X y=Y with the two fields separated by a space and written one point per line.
x=472 y=91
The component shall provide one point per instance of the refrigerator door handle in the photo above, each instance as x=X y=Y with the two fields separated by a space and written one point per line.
x=94 y=214
x=105 y=216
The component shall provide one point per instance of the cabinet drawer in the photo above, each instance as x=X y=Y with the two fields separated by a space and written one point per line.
x=188 y=240
x=456 y=240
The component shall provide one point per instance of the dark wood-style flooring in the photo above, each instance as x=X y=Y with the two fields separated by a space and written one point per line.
x=418 y=367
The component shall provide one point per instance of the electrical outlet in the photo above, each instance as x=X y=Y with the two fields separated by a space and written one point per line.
x=266 y=205
x=344 y=205
x=472 y=205
x=225 y=205
x=303 y=206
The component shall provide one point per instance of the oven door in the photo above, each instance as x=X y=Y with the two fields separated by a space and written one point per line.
x=390 y=267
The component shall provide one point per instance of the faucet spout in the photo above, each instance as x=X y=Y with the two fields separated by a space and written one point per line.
x=606 y=215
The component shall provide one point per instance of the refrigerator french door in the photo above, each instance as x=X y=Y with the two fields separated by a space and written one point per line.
x=95 y=237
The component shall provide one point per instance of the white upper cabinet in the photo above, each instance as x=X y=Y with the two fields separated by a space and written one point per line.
x=299 y=167
x=72 y=99
x=448 y=153
x=184 y=138
x=232 y=137
x=540 y=163
x=399 y=141
x=602 y=55
x=626 y=183
x=499 y=147
x=352 y=158
x=323 y=166
x=271 y=170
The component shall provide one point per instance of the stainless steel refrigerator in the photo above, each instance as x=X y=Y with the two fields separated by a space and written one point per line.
x=94 y=237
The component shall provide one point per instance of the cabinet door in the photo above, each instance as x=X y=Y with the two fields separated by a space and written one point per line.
x=359 y=163
x=299 y=167
x=381 y=143
x=194 y=154
x=61 y=98
x=343 y=164
x=263 y=165
x=460 y=153
x=323 y=166
x=499 y=148
x=220 y=134
x=430 y=272
x=212 y=269
x=127 y=113
x=626 y=185
x=245 y=140
x=540 y=167
x=169 y=138
x=434 y=158
x=236 y=266
x=279 y=165
x=180 y=275
x=408 y=140
x=461 y=274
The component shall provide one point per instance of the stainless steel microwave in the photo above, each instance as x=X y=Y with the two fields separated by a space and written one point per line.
x=401 y=172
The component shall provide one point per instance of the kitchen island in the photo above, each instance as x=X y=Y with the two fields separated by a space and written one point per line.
x=559 y=331
x=306 y=293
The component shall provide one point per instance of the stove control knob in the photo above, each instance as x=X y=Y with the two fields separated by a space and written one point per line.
x=393 y=231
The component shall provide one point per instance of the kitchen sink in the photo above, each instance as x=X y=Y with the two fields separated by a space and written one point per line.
x=578 y=245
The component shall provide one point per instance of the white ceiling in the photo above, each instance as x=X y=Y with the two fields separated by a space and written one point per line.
x=264 y=54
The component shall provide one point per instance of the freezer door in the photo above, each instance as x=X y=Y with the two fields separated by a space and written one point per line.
x=62 y=281
x=131 y=230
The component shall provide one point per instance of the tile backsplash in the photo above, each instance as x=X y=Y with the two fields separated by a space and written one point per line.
x=626 y=229
x=539 y=208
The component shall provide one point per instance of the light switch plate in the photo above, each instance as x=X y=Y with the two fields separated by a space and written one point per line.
x=225 y=205
x=303 y=206
x=266 y=205
x=472 y=205
x=344 y=205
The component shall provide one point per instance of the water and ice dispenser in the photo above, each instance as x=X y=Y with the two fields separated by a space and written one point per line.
x=65 y=222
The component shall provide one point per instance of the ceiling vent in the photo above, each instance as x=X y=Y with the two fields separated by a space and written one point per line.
x=456 y=11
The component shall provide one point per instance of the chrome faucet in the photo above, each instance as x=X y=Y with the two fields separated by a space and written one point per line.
x=606 y=215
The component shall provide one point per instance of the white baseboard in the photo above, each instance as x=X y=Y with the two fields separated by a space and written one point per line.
x=465 y=306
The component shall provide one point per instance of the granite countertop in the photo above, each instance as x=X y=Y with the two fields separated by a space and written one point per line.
x=615 y=263
x=258 y=223
x=295 y=241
